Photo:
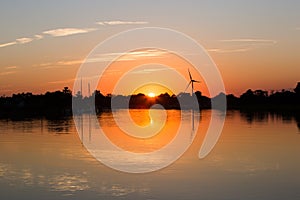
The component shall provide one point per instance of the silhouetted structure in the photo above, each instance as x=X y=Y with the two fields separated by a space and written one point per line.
x=192 y=81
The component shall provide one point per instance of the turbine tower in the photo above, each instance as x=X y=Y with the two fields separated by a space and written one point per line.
x=192 y=81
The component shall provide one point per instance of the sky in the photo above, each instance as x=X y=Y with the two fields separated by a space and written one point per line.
x=255 y=44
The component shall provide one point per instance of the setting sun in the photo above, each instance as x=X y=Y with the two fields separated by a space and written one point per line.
x=151 y=94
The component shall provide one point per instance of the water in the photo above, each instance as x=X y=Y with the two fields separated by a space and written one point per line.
x=256 y=157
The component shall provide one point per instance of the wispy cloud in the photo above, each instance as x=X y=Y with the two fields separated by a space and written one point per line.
x=38 y=37
x=11 y=67
x=149 y=53
x=8 y=44
x=127 y=56
x=149 y=70
x=229 y=50
x=54 y=33
x=108 y=57
x=239 y=45
x=118 y=22
x=50 y=65
x=24 y=40
x=250 y=40
x=67 y=31
x=69 y=62
x=9 y=70
x=7 y=73
x=59 y=32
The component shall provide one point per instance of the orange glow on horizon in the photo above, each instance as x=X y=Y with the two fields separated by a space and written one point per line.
x=153 y=90
x=151 y=94
x=151 y=67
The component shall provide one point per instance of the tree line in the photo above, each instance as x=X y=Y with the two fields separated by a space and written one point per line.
x=59 y=103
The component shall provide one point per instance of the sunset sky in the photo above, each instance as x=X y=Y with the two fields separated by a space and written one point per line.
x=255 y=44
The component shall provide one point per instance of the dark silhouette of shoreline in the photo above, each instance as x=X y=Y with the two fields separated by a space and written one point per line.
x=59 y=103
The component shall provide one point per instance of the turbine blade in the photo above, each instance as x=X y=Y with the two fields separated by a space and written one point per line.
x=187 y=86
x=197 y=81
x=190 y=74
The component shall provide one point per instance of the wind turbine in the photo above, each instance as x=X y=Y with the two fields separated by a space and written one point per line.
x=192 y=81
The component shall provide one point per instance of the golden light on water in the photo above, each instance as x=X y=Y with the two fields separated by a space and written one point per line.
x=141 y=145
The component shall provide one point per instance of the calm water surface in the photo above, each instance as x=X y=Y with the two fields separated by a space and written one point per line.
x=256 y=157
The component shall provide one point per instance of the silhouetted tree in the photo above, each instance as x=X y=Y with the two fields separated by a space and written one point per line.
x=198 y=94
x=59 y=103
x=247 y=97
x=297 y=88
x=233 y=102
